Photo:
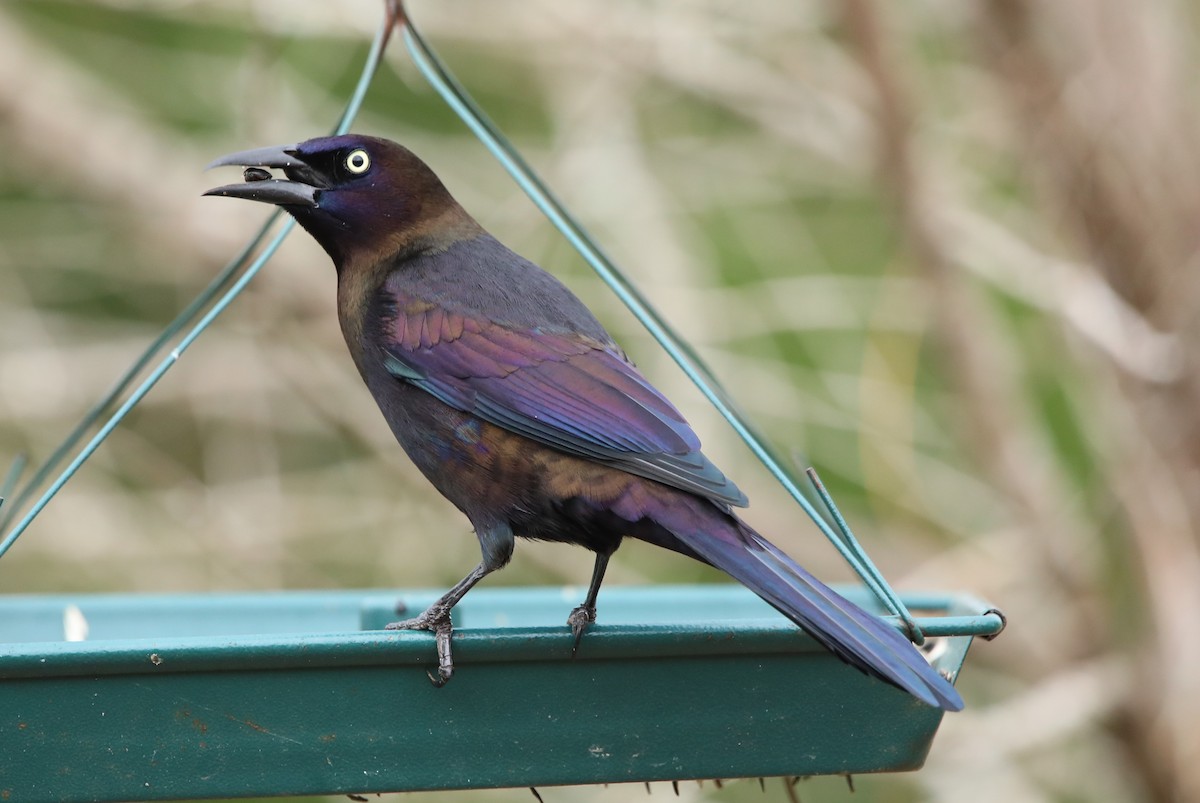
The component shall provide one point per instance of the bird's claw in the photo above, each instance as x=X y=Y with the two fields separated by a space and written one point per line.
x=437 y=621
x=579 y=620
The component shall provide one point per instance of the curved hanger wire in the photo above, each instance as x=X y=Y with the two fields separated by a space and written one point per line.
x=241 y=267
x=457 y=97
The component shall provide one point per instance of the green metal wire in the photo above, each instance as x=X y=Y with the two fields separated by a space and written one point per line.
x=910 y=623
x=145 y=387
x=10 y=479
x=122 y=384
x=374 y=58
x=457 y=97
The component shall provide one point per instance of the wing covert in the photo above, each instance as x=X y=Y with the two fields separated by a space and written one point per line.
x=562 y=389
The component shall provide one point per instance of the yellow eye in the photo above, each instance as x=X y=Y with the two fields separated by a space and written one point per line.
x=358 y=162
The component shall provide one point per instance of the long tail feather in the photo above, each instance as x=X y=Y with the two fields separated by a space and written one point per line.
x=858 y=638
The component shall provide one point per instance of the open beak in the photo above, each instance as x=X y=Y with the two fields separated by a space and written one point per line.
x=302 y=187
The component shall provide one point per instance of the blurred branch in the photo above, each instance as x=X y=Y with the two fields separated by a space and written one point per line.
x=980 y=754
x=1039 y=160
x=1113 y=138
x=67 y=124
x=837 y=130
x=993 y=409
x=996 y=408
x=1070 y=290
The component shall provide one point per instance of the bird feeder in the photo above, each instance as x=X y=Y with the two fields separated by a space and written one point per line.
x=141 y=697
x=204 y=696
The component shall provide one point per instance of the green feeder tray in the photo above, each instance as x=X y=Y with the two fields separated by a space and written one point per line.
x=300 y=693
x=139 y=697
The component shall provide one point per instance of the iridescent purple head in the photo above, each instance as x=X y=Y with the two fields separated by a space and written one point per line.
x=355 y=194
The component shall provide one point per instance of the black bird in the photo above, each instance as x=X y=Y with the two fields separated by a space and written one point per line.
x=513 y=400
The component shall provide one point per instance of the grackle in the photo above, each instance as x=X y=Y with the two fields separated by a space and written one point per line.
x=513 y=400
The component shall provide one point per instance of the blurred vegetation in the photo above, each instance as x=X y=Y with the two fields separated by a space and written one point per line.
x=946 y=253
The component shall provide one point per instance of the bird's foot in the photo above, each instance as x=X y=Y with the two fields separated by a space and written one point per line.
x=579 y=620
x=437 y=621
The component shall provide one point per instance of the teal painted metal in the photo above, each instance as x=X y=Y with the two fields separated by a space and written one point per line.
x=177 y=697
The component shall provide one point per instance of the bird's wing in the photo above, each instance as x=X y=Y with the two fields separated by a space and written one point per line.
x=564 y=390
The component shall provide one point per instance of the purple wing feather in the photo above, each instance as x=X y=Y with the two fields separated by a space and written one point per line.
x=565 y=390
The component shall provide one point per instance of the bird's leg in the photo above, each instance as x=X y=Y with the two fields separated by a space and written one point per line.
x=585 y=614
x=496 y=543
x=436 y=619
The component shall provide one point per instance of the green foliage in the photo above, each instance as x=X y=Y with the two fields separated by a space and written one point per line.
x=915 y=299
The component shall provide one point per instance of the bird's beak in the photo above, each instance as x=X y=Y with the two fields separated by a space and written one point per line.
x=302 y=187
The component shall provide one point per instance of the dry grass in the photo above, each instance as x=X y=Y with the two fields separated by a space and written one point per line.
x=948 y=251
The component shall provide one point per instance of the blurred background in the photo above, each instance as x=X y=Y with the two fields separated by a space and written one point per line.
x=946 y=253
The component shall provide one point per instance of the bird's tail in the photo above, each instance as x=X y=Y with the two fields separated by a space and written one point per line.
x=858 y=638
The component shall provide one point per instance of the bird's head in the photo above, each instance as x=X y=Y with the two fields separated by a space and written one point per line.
x=359 y=197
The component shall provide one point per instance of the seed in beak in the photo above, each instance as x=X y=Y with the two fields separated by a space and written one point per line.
x=256 y=174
